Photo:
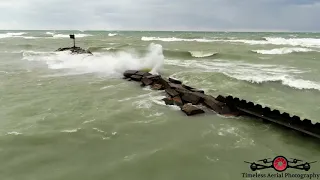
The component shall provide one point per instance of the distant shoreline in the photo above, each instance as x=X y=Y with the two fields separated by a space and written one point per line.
x=200 y=31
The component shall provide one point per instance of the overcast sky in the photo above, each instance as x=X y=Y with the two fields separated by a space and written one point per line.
x=256 y=15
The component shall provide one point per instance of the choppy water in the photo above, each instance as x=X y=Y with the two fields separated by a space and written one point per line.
x=73 y=117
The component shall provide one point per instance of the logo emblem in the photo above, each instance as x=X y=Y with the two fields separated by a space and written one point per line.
x=280 y=164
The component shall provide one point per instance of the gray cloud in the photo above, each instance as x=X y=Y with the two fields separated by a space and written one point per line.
x=291 y=15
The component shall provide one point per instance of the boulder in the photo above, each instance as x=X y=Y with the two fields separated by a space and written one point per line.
x=153 y=77
x=187 y=87
x=190 y=110
x=156 y=86
x=175 y=81
x=129 y=73
x=171 y=92
x=136 y=77
x=177 y=101
x=168 y=101
x=141 y=73
x=182 y=91
x=197 y=90
x=179 y=88
x=191 y=98
x=163 y=82
x=217 y=106
x=146 y=81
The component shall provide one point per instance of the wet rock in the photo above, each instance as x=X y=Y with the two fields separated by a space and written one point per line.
x=187 y=87
x=163 y=82
x=157 y=86
x=168 y=101
x=146 y=81
x=217 y=106
x=182 y=91
x=177 y=101
x=171 y=92
x=221 y=98
x=136 y=77
x=191 y=110
x=153 y=77
x=197 y=90
x=179 y=88
x=141 y=73
x=129 y=73
x=191 y=98
x=175 y=81
x=75 y=50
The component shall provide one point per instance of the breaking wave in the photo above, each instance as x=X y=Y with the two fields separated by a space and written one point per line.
x=112 y=34
x=11 y=35
x=166 y=52
x=109 y=64
x=200 y=54
x=174 y=39
x=254 y=73
x=304 y=42
x=188 y=54
x=285 y=50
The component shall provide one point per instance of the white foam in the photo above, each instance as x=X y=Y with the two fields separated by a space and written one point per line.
x=30 y=37
x=13 y=133
x=304 y=42
x=10 y=35
x=143 y=104
x=255 y=73
x=112 y=34
x=107 y=63
x=285 y=50
x=174 y=39
x=70 y=130
x=200 y=54
x=67 y=35
x=50 y=33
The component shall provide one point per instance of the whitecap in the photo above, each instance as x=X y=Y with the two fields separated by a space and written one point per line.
x=14 y=133
x=285 y=50
x=201 y=54
x=254 y=73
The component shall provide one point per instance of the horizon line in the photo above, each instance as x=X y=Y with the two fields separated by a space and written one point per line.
x=135 y=30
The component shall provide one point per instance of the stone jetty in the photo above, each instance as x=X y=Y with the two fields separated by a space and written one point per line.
x=192 y=100
x=75 y=50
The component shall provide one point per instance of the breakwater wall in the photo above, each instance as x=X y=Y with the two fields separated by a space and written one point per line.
x=188 y=98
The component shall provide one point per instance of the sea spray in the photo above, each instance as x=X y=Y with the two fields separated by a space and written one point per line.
x=108 y=63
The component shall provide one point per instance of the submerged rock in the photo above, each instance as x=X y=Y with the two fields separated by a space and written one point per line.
x=75 y=50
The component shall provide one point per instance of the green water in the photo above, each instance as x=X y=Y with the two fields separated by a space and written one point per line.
x=73 y=117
